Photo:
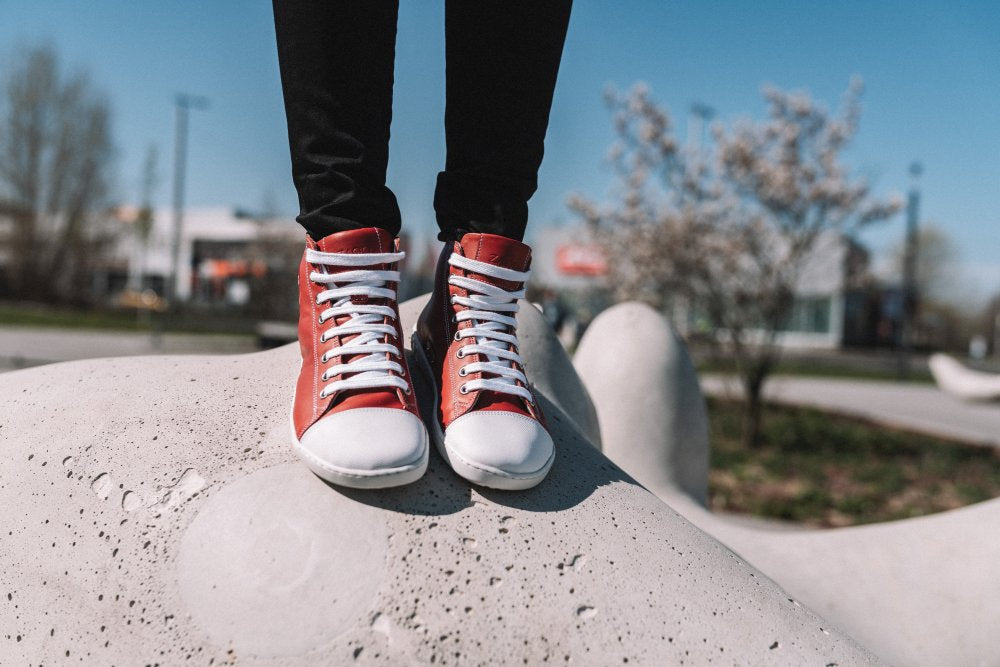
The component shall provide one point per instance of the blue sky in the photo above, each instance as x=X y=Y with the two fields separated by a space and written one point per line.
x=932 y=73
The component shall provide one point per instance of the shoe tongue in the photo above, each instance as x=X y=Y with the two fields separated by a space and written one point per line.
x=370 y=240
x=367 y=241
x=498 y=251
x=509 y=254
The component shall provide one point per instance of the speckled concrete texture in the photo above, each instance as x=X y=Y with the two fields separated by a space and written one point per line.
x=153 y=513
x=917 y=592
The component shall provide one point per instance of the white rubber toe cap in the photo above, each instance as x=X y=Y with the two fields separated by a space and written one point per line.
x=366 y=447
x=499 y=449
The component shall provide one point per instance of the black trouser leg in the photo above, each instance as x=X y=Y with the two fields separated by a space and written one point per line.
x=502 y=60
x=336 y=60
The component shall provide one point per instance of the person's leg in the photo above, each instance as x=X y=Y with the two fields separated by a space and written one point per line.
x=336 y=61
x=502 y=63
x=354 y=414
x=502 y=60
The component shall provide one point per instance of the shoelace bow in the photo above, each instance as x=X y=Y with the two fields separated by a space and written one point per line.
x=374 y=369
x=491 y=310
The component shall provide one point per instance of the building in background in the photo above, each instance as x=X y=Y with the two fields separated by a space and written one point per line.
x=222 y=251
x=567 y=261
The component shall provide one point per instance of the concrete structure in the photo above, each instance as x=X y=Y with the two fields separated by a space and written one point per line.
x=907 y=406
x=638 y=402
x=153 y=514
x=954 y=378
x=918 y=592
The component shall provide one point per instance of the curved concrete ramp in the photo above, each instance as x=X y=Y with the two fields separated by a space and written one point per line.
x=917 y=592
x=153 y=513
x=954 y=378
x=633 y=363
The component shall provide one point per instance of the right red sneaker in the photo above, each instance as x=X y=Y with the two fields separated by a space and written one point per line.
x=354 y=416
x=486 y=421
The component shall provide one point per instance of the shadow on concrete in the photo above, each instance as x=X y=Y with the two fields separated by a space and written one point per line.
x=439 y=492
x=579 y=470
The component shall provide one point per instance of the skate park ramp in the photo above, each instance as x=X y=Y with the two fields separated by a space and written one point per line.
x=154 y=513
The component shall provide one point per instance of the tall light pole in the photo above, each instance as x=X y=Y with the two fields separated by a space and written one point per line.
x=910 y=296
x=183 y=103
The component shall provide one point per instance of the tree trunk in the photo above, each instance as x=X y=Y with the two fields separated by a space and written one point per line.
x=753 y=408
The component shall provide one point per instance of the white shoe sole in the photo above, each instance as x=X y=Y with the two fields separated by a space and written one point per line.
x=380 y=478
x=476 y=473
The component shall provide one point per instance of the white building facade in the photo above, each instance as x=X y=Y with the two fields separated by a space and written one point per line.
x=209 y=236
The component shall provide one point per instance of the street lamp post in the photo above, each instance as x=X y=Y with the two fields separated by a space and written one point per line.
x=183 y=103
x=910 y=296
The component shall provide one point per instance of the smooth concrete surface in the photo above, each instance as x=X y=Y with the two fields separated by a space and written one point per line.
x=954 y=378
x=632 y=361
x=912 y=407
x=154 y=513
x=923 y=591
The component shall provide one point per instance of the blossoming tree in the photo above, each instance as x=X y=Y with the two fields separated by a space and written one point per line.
x=727 y=229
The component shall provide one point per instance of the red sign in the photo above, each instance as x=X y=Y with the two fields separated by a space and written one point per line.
x=578 y=259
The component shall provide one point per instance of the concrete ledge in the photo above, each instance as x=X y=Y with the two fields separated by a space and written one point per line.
x=153 y=512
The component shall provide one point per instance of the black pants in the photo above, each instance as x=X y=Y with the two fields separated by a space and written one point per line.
x=336 y=60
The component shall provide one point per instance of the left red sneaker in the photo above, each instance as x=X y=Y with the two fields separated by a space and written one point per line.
x=354 y=415
x=487 y=423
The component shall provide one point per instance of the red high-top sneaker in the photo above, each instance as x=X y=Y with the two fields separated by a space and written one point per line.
x=354 y=415
x=486 y=421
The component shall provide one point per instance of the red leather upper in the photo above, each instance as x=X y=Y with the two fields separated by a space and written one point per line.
x=308 y=407
x=436 y=326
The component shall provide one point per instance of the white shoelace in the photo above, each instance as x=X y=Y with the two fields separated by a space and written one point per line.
x=491 y=310
x=375 y=369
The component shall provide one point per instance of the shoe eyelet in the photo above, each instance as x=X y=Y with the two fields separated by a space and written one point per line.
x=463 y=389
x=407 y=391
x=454 y=318
x=462 y=372
x=460 y=353
x=457 y=337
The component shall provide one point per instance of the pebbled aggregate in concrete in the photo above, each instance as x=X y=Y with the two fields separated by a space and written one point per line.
x=153 y=513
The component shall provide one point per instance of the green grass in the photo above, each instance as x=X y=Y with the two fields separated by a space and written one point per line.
x=32 y=315
x=124 y=319
x=827 y=368
x=826 y=470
